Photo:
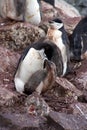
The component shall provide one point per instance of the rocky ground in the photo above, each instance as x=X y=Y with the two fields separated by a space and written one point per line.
x=62 y=108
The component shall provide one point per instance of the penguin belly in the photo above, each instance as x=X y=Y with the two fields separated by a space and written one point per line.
x=62 y=48
x=32 y=12
x=56 y=36
x=32 y=62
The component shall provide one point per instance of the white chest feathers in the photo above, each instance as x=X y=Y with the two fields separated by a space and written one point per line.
x=32 y=12
x=56 y=36
x=32 y=62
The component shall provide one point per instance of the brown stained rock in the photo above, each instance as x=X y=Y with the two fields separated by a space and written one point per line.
x=64 y=121
x=68 y=86
x=18 y=35
x=80 y=80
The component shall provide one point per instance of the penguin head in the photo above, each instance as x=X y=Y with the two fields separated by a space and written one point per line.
x=55 y=30
x=56 y=23
x=49 y=65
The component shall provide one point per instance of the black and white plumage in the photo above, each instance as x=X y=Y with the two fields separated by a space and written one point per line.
x=29 y=63
x=58 y=35
x=32 y=11
x=78 y=41
x=42 y=80
x=32 y=60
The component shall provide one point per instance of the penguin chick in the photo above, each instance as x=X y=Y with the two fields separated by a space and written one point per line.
x=32 y=11
x=58 y=35
x=42 y=80
x=31 y=61
x=78 y=41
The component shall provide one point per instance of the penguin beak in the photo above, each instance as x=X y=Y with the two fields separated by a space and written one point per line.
x=45 y=62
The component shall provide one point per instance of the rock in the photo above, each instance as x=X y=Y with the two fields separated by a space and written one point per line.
x=68 y=86
x=64 y=121
x=36 y=105
x=72 y=2
x=66 y=9
x=81 y=82
x=8 y=63
x=81 y=75
x=19 y=121
x=8 y=58
x=19 y=35
x=48 y=11
x=7 y=97
x=79 y=109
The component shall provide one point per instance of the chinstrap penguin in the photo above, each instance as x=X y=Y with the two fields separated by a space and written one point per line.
x=58 y=35
x=32 y=60
x=78 y=41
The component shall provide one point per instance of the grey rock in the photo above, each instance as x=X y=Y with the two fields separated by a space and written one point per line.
x=66 y=8
x=19 y=121
x=79 y=109
x=64 y=121
x=36 y=105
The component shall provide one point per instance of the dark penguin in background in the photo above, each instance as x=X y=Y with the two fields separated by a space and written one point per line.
x=32 y=11
x=42 y=80
x=58 y=35
x=78 y=41
x=32 y=60
x=52 y=2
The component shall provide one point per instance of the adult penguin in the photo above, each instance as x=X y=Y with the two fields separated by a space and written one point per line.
x=58 y=35
x=32 y=60
x=78 y=41
x=42 y=80
x=32 y=11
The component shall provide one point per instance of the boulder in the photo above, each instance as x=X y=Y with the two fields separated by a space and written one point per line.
x=64 y=121
x=79 y=109
x=19 y=35
x=66 y=9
